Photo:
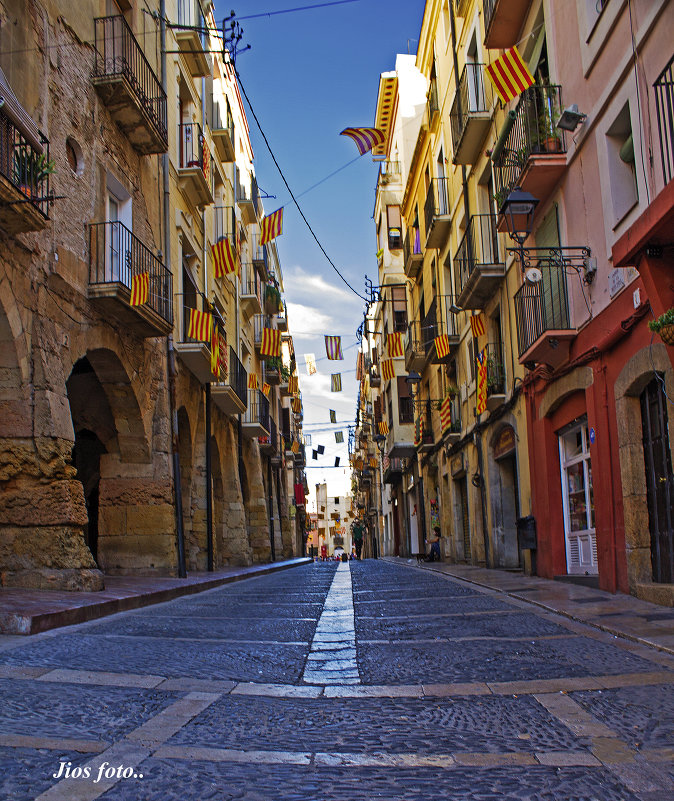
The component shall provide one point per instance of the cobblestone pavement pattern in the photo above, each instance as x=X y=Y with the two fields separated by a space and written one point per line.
x=359 y=681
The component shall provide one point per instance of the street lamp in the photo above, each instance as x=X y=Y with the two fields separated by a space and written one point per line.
x=413 y=381
x=518 y=211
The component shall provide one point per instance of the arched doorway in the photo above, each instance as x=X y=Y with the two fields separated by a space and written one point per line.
x=87 y=460
x=185 y=456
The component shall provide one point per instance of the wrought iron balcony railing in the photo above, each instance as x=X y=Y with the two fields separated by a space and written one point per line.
x=664 y=103
x=238 y=377
x=119 y=54
x=225 y=223
x=191 y=140
x=473 y=96
x=258 y=409
x=479 y=245
x=437 y=200
x=24 y=165
x=496 y=378
x=116 y=255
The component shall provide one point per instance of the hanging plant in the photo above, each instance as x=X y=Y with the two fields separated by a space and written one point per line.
x=272 y=299
x=664 y=326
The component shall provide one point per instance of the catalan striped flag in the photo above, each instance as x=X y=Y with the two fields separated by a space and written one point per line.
x=446 y=414
x=418 y=431
x=481 y=382
x=373 y=461
x=359 y=464
x=477 y=326
x=252 y=381
x=295 y=447
x=333 y=416
x=225 y=258
x=394 y=344
x=442 y=346
x=293 y=385
x=215 y=352
x=336 y=382
x=201 y=325
x=383 y=427
x=140 y=289
x=388 y=369
x=509 y=75
x=365 y=138
x=271 y=226
x=339 y=436
x=271 y=342
x=297 y=405
x=265 y=389
x=333 y=348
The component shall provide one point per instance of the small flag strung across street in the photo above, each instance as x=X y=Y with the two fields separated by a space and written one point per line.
x=200 y=327
x=446 y=414
x=394 y=344
x=387 y=370
x=314 y=455
x=333 y=348
x=336 y=461
x=320 y=449
x=225 y=260
x=265 y=389
x=442 y=346
x=293 y=385
x=477 y=328
x=310 y=360
x=297 y=405
x=307 y=439
x=252 y=381
x=509 y=75
x=481 y=382
x=271 y=226
x=365 y=138
x=360 y=361
x=383 y=427
x=140 y=289
x=336 y=382
x=271 y=343
x=339 y=436
x=333 y=416
x=373 y=461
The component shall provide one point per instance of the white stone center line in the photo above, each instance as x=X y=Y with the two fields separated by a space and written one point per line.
x=332 y=659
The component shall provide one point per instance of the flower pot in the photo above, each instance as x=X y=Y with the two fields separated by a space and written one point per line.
x=667 y=334
x=553 y=144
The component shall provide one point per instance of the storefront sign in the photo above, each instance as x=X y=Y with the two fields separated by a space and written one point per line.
x=505 y=443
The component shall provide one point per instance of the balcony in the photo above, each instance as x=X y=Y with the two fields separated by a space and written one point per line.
x=247 y=199
x=495 y=376
x=375 y=378
x=191 y=38
x=533 y=154
x=414 y=258
x=24 y=176
x=389 y=172
x=194 y=173
x=415 y=348
x=478 y=267
x=423 y=435
x=470 y=116
x=503 y=20
x=222 y=129
x=453 y=433
x=230 y=395
x=259 y=255
x=225 y=223
x=252 y=288
x=664 y=103
x=195 y=353
x=128 y=86
x=433 y=104
x=394 y=468
x=440 y=320
x=260 y=322
x=269 y=443
x=436 y=213
x=301 y=456
x=255 y=421
x=272 y=371
x=544 y=329
x=281 y=318
x=115 y=257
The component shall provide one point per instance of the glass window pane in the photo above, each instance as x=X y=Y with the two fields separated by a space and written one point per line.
x=591 y=492
x=573 y=443
x=575 y=477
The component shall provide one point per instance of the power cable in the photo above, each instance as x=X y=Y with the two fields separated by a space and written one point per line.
x=299 y=8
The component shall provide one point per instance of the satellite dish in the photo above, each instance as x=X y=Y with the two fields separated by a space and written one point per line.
x=533 y=275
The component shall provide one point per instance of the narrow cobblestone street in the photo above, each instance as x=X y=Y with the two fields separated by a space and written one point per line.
x=353 y=681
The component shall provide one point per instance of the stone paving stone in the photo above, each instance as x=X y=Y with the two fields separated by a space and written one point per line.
x=60 y=744
x=27 y=772
x=568 y=712
x=277 y=690
x=61 y=675
x=76 y=711
x=465 y=688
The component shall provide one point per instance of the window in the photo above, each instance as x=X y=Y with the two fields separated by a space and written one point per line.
x=336 y=501
x=578 y=499
x=622 y=164
x=395 y=227
x=405 y=405
x=470 y=359
x=399 y=303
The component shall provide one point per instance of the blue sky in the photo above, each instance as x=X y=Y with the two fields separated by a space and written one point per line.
x=309 y=74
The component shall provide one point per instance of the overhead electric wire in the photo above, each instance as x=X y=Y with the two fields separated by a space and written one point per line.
x=298 y=8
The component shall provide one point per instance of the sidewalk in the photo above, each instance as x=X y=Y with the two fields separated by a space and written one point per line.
x=619 y=614
x=25 y=611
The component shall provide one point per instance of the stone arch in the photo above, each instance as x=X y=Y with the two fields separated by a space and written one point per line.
x=637 y=373
x=577 y=380
x=236 y=548
x=14 y=411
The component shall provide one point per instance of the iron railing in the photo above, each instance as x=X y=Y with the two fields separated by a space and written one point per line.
x=455 y=415
x=473 y=96
x=488 y=11
x=116 y=256
x=247 y=194
x=412 y=243
x=216 y=121
x=424 y=417
x=405 y=411
x=238 y=377
x=664 y=104
x=260 y=322
x=258 y=409
x=191 y=140
x=534 y=131
x=119 y=54
x=437 y=201
x=479 y=245
x=251 y=283
x=225 y=223
x=23 y=165
x=388 y=169
x=194 y=299
x=439 y=319
x=496 y=378
x=258 y=251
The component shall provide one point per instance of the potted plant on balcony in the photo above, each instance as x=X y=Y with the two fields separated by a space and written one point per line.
x=664 y=325
x=549 y=140
x=272 y=369
x=31 y=170
x=272 y=299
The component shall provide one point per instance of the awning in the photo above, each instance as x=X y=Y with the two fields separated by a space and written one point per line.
x=18 y=114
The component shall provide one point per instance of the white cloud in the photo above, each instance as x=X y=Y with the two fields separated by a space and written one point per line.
x=307 y=322
x=301 y=282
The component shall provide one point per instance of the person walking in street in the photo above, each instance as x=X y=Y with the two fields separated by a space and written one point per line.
x=357 y=531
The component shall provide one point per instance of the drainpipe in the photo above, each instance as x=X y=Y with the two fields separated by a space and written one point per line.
x=170 y=352
x=278 y=500
x=271 y=510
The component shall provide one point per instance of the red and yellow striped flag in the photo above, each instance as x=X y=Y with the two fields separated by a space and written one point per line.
x=271 y=226
x=383 y=427
x=509 y=75
x=297 y=405
x=365 y=138
x=140 y=289
x=252 y=381
x=477 y=326
x=201 y=325
x=215 y=352
x=418 y=431
x=446 y=414
x=387 y=369
x=394 y=344
x=293 y=385
x=481 y=382
x=265 y=389
x=271 y=342
x=225 y=258
x=442 y=346
x=373 y=461
x=295 y=447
